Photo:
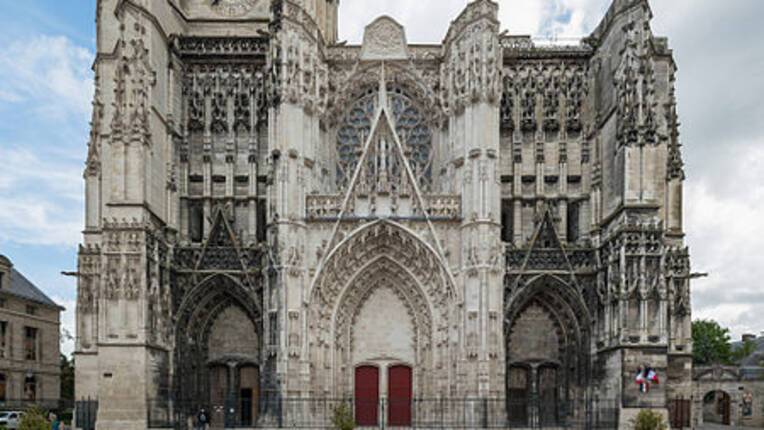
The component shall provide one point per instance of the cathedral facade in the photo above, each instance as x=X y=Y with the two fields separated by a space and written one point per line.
x=276 y=219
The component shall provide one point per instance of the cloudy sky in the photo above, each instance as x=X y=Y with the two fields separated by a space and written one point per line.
x=46 y=86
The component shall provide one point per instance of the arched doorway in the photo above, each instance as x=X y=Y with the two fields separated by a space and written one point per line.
x=716 y=407
x=381 y=298
x=546 y=333
x=218 y=352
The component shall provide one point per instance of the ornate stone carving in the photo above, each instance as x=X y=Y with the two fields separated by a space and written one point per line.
x=384 y=39
x=93 y=163
x=378 y=252
x=558 y=88
x=134 y=79
x=195 y=48
x=231 y=91
x=472 y=69
x=635 y=84
x=299 y=73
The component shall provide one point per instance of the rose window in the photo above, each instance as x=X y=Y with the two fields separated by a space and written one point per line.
x=410 y=126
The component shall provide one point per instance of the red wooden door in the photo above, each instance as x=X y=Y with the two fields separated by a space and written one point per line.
x=399 y=394
x=366 y=396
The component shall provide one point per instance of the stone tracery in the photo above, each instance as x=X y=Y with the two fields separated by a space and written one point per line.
x=411 y=126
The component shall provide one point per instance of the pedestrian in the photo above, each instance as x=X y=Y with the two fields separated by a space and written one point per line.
x=202 y=420
x=55 y=424
x=190 y=422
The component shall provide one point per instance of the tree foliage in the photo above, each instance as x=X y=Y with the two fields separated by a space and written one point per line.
x=67 y=378
x=710 y=343
x=34 y=419
x=648 y=419
x=342 y=419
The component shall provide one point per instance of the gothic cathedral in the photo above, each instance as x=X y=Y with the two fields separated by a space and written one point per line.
x=484 y=231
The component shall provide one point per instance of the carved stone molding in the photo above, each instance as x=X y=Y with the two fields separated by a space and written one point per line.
x=221 y=48
x=384 y=39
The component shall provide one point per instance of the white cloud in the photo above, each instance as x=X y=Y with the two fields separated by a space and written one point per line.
x=50 y=71
x=726 y=238
x=45 y=93
x=67 y=323
x=42 y=199
x=425 y=21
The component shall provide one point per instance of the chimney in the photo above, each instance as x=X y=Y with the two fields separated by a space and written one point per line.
x=748 y=336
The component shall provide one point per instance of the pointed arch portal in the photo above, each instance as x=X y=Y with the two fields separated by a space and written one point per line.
x=218 y=338
x=547 y=345
x=382 y=299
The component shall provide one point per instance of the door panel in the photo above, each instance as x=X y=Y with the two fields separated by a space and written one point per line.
x=400 y=395
x=218 y=395
x=517 y=395
x=366 y=395
x=547 y=384
x=249 y=380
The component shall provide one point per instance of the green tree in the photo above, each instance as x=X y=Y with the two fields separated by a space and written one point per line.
x=67 y=378
x=710 y=343
x=34 y=419
x=342 y=419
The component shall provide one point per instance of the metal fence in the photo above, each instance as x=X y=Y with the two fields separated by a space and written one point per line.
x=85 y=413
x=427 y=413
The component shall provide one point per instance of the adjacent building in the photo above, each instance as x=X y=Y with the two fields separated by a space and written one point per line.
x=485 y=231
x=732 y=395
x=30 y=355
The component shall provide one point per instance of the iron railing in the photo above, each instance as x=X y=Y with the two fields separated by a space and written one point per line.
x=85 y=413
x=424 y=413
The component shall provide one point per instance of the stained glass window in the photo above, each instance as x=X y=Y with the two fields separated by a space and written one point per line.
x=410 y=126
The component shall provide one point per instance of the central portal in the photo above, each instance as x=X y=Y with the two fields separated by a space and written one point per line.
x=374 y=325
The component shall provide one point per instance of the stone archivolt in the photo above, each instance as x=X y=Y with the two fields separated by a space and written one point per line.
x=379 y=255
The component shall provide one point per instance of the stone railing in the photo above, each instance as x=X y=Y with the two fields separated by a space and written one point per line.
x=323 y=206
x=318 y=206
x=443 y=206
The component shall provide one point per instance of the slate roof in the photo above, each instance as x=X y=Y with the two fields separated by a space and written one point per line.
x=22 y=287
x=757 y=357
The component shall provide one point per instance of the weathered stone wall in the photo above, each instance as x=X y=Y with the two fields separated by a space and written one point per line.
x=743 y=387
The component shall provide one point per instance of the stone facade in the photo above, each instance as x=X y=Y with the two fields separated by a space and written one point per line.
x=30 y=355
x=388 y=206
x=728 y=395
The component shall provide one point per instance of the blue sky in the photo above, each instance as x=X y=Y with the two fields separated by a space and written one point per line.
x=45 y=90
x=46 y=85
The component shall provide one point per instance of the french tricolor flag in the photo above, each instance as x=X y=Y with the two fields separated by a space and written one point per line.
x=645 y=377
x=641 y=381
x=652 y=376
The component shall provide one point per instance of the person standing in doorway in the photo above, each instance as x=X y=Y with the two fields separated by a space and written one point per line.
x=202 y=420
